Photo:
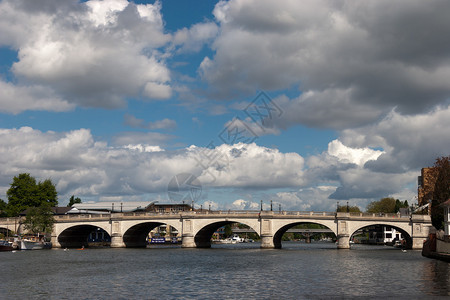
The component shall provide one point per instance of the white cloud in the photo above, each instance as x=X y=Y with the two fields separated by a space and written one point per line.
x=93 y=54
x=353 y=63
x=16 y=99
x=80 y=165
x=194 y=38
x=241 y=204
x=357 y=156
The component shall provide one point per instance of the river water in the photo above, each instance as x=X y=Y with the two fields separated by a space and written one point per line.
x=243 y=271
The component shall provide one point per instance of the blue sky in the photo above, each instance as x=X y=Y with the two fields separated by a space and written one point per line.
x=113 y=99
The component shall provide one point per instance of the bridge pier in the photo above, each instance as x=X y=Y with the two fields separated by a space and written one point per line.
x=54 y=241
x=117 y=241
x=188 y=241
x=267 y=242
x=343 y=241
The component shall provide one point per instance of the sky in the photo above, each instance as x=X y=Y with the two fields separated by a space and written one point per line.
x=225 y=103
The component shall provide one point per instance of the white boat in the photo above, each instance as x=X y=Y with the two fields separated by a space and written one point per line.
x=26 y=244
x=31 y=245
x=236 y=239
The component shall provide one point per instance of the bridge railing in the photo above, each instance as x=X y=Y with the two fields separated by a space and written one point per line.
x=224 y=212
x=378 y=215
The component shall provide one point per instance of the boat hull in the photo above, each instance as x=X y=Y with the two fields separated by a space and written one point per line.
x=29 y=245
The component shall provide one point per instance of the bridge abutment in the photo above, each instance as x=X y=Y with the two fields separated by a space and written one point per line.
x=421 y=225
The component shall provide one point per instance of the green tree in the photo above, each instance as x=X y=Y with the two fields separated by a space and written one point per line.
x=227 y=231
x=73 y=201
x=39 y=219
x=399 y=204
x=385 y=205
x=441 y=191
x=25 y=192
x=343 y=208
x=47 y=193
x=3 y=211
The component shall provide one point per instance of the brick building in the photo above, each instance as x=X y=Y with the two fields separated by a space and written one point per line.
x=426 y=182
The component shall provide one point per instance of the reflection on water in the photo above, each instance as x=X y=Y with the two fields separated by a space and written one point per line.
x=223 y=272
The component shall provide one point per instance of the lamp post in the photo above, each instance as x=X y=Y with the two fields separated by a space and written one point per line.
x=271 y=208
x=112 y=207
x=261 y=205
x=348 y=209
x=337 y=206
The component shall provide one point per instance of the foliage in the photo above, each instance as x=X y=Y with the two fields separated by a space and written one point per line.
x=441 y=191
x=343 y=208
x=39 y=219
x=385 y=205
x=25 y=192
x=227 y=232
x=3 y=211
x=399 y=204
x=73 y=201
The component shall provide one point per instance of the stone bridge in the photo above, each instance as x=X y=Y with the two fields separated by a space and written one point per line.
x=196 y=228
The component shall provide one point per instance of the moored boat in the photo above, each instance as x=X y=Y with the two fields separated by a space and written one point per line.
x=6 y=246
x=26 y=244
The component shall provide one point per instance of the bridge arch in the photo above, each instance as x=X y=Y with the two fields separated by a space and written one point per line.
x=283 y=229
x=404 y=231
x=135 y=233
x=76 y=236
x=202 y=237
x=135 y=236
x=6 y=231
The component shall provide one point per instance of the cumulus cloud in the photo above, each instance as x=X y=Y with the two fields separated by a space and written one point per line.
x=80 y=165
x=241 y=204
x=94 y=53
x=351 y=62
x=16 y=99
x=194 y=38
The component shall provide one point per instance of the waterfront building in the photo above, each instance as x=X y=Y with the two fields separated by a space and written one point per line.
x=446 y=206
x=426 y=183
x=110 y=206
x=379 y=234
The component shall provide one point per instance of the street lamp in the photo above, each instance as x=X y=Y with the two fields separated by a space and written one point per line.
x=261 y=205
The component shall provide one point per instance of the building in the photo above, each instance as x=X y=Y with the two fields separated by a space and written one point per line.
x=380 y=234
x=426 y=183
x=446 y=206
x=111 y=206
x=168 y=207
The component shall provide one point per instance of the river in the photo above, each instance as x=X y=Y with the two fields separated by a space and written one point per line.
x=243 y=271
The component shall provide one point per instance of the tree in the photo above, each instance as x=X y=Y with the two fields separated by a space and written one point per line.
x=399 y=204
x=25 y=192
x=344 y=208
x=384 y=205
x=3 y=212
x=47 y=193
x=39 y=219
x=73 y=201
x=441 y=191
